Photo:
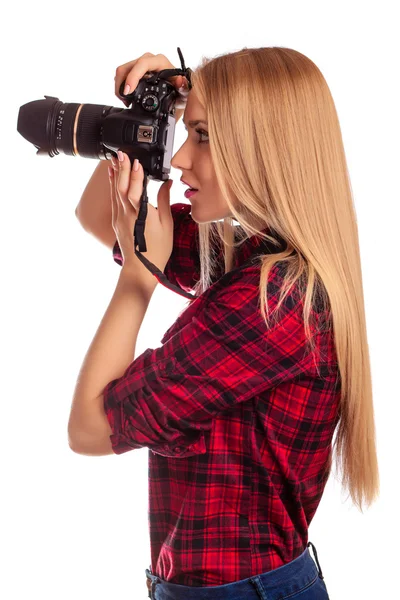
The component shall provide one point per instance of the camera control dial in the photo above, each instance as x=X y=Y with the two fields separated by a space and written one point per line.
x=150 y=102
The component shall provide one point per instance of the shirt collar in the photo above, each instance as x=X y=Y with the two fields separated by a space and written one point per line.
x=254 y=246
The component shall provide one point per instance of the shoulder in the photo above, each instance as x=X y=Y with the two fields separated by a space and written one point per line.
x=236 y=297
x=243 y=283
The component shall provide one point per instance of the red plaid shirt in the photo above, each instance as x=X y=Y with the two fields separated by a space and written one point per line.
x=239 y=420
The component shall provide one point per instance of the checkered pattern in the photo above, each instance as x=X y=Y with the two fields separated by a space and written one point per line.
x=239 y=420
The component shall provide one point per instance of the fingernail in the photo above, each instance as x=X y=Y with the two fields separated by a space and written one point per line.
x=120 y=156
x=126 y=89
x=184 y=92
x=136 y=165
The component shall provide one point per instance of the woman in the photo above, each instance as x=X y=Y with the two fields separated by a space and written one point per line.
x=240 y=403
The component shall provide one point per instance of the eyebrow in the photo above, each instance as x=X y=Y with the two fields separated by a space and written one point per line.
x=194 y=123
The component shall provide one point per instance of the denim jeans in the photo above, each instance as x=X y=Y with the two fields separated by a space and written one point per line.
x=301 y=578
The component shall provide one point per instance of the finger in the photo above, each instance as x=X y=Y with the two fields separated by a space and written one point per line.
x=182 y=82
x=136 y=185
x=123 y=70
x=122 y=179
x=144 y=64
x=114 y=163
x=130 y=183
x=114 y=209
x=118 y=208
x=163 y=202
x=139 y=69
x=183 y=92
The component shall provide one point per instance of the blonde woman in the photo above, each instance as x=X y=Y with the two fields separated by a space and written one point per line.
x=240 y=403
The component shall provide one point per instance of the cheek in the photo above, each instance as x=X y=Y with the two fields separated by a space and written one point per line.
x=204 y=169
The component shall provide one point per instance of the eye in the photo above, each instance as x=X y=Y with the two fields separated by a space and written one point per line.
x=202 y=132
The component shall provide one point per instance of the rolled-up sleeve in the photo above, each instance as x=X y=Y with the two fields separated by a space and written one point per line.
x=168 y=396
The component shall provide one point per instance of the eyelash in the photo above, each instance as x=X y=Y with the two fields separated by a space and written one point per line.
x=201 y=131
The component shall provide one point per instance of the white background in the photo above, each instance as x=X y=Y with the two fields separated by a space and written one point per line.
x=75 y=526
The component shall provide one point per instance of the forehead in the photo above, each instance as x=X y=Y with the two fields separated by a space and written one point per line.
x=194 y=110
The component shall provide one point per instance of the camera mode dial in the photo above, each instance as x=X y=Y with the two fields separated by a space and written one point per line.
x=150 y=102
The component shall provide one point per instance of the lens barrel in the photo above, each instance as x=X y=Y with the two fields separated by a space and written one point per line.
x=56 y=127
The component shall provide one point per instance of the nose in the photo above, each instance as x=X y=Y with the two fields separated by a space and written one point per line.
x=181 y=160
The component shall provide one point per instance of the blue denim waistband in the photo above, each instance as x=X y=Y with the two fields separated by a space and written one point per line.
x=287 y=579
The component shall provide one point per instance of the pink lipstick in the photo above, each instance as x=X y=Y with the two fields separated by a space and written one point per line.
x=190 y=192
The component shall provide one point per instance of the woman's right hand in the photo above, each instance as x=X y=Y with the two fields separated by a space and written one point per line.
x=134 y=70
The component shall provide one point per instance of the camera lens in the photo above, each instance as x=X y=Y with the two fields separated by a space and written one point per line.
x=56 y=127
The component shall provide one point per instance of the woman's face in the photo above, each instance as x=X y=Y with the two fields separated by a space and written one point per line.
x=194 y=160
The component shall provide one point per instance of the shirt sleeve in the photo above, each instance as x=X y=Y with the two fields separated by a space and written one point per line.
x=168 y=397
x=183 y=266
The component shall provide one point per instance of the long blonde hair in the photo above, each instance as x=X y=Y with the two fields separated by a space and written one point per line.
x=278 y=154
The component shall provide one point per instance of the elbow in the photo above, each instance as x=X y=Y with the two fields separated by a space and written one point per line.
x=71 y=442
x=78 y=214
x=74 y=439
x=90 y=447
x=72 y=446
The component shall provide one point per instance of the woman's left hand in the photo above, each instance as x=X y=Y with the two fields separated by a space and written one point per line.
x=126 y=190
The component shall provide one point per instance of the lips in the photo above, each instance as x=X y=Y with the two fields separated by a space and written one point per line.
x=189 y=193
x=190 y=187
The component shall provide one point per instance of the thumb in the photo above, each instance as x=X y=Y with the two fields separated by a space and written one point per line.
x=163 y=201
x=179 y=81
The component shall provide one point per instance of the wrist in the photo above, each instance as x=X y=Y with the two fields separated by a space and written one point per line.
x=143 y=282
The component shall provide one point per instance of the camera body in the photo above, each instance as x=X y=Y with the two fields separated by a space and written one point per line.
x=146 y=129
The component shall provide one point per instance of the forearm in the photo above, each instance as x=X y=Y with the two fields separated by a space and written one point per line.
x=110 y=353
x=94 y=207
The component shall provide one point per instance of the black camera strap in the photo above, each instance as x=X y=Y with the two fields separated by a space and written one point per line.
x=138 y=233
